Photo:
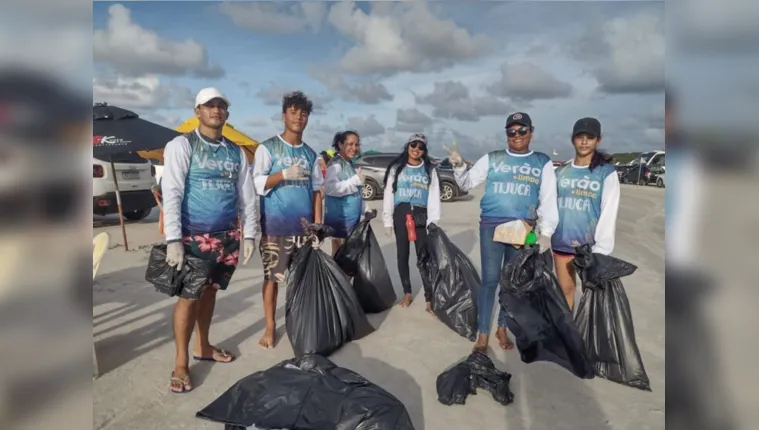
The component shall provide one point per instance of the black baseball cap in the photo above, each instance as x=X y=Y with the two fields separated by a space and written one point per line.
x=519 y=118
x=589 y=126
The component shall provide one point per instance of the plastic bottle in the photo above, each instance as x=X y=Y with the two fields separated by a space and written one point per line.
x=411 y=228
x=531 y=238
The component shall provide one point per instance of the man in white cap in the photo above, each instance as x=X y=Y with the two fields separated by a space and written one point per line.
x=206 y=184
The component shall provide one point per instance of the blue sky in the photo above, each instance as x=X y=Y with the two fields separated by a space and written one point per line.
x=451 y=70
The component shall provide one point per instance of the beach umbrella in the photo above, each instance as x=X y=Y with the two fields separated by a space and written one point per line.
x=116 y=131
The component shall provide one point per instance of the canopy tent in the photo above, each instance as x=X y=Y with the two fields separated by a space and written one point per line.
x=230 y=132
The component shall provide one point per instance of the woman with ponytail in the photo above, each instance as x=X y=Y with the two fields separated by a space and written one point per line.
x=343 y=203
x=412 y=189
x=588 y=193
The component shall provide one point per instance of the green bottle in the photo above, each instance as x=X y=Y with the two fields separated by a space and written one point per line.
x=531 y=238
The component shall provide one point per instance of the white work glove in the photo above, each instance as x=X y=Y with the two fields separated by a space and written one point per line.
x=248 y=245
x=316 y=243
x=292 y=172
x=175 y=254
x=544 y=242
x=389 y=231
x=361 y=176
x=453 y=155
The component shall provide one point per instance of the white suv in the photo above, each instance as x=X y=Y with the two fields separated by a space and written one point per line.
x=135 y=176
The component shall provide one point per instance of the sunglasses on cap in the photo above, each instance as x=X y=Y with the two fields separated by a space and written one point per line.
x=511 y=132
x=417 y=144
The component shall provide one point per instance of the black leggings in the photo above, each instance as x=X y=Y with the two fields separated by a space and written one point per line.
x=402 y=244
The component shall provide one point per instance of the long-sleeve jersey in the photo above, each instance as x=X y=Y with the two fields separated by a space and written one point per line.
x=518 y=186
x=205 y=186
x=283 y=205
x=588 y=205
x=343 y=202
x=414 y=187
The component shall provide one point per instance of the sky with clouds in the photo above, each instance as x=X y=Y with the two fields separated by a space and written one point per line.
x=453 y=70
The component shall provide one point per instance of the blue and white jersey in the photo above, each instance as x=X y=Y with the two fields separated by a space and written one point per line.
x=205 y=184
x=414 y=187
x=587 y=200
x=283 y=206
x=343 y=202
x=517 y=187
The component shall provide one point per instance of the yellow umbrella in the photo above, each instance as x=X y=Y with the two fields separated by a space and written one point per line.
x=230 y=132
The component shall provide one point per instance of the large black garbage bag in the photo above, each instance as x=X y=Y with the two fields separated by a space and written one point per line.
x=463 y=379
x=538 y=314
x=605 y=320
x=191 y=279
x=360 y=257
x=322 y=312
x=308 y=393
x=453 y=282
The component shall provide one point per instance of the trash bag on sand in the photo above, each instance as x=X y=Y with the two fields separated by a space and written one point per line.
x=477 y=371
x=307 y=393
x=322 y=312
x=453 y=283
x=170 y=280
x=360 y=257
x=605 y=321
x=538 y=314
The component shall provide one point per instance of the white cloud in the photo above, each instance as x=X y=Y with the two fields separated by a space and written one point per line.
x=275 y=18
x=412 y=120
x=143 y=93
x=369 y=92
x=451 y=100
x=135 y=51
x=527 y=82
x=273 y=93
x=365 y=126
x=402 y=37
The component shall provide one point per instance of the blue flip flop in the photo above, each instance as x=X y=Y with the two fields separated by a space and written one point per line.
x=221 y=352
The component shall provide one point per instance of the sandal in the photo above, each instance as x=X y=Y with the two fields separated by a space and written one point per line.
x=183 y=382
x=217 y=353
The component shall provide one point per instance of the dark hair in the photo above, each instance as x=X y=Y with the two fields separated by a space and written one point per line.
x=600 y=158
x=297 y=100
x=342 y=136
x=324 y=156
x=401 y=160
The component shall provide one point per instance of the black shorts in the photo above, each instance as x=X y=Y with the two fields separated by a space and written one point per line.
x=221 y=247
x=277 y=254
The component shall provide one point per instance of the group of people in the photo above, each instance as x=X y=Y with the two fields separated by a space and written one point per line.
x=209 y=189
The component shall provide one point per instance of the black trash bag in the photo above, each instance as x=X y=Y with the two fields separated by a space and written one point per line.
x=453 y=282
x=322 y=312
x=360 y=257
x=171 y=281
x=605 y=320
x=538 y=314
x=463 y=379
x=308 y=393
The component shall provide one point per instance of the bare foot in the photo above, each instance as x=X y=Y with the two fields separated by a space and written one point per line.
x=405 y=301
x=481 y=345
x=429 y=309
x=180 y=381
x=503 y=339
x=267 y=340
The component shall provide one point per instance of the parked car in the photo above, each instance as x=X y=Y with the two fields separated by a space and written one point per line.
x=135 y=176
x=445 y=163
x=375 y=165
x=660 y=180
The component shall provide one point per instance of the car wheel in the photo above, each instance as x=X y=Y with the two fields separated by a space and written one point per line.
x=447 y=192
x=660 y=183
x=369 y=190
x=137 y=215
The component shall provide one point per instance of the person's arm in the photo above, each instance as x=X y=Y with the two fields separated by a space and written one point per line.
x=548 y=208
x=607 y=222
x=468 y=179
x=246 y=191
x=433 y=199
x=317 y=181
x=388 y=203
x=337 y=188
x=262 y=180
x=176 y=164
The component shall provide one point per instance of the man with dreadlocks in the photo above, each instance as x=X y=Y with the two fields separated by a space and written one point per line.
x=288 y=178
x=411 y=188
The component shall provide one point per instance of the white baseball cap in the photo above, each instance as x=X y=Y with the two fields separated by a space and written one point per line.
x=207 y=94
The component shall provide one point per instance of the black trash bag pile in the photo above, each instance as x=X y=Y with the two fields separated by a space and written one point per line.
x=538 y=314
x=360 y=257
x=322 y=312
x=605 y=320
x=172 y=281
x=307 y=393
x=463 y=379
x=453 y=283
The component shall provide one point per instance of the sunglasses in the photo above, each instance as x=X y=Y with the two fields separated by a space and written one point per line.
x=513 y=132
x=419 y=145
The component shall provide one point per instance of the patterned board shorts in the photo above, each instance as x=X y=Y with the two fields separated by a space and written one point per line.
x=277 y=253
x=222 y=247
